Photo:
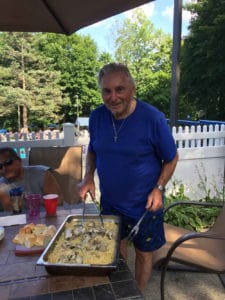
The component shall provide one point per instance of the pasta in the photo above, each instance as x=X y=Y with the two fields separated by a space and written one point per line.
x=88 y=244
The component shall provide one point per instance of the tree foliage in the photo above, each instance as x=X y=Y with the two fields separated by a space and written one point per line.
x=27 y=87
x=47 y=78
x=147 y=52
x=76 y=57
x=203 y=60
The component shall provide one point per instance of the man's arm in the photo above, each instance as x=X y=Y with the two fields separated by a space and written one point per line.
x=154 y=201
x=167 y=171
x=87 y=185
x=5 y=197
x=5 y=201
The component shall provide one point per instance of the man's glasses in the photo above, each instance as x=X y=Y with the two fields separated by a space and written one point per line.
x=7 y=163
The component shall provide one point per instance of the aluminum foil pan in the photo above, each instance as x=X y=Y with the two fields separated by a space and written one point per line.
x=93 y=269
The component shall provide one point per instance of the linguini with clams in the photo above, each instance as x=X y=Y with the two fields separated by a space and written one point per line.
x=85 y=244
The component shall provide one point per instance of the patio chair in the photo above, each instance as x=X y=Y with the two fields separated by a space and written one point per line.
x=66 y=166
x=192 y=251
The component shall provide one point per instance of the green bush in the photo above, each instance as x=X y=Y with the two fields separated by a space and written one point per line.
x=194 y=218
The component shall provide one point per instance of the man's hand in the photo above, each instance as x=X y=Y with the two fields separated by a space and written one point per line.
x=154 y=201
x=86 y=186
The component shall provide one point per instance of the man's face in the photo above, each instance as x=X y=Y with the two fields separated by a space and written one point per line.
x=10 y=167
x=117 y=93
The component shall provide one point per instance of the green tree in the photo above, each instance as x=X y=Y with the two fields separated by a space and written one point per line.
x=76 y=57
x=203 y=60
x=27 y=88
x=147 y=52
x=104 y=58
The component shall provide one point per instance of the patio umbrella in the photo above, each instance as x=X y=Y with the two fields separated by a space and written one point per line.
x=59 y=16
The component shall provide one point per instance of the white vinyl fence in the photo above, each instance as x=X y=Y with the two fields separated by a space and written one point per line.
x=201 y=150
x=201 y=164
x=23 y=142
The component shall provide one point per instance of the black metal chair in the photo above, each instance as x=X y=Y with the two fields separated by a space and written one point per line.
x=192 y=251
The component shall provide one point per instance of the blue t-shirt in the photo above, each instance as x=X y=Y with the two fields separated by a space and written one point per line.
x=129 y=168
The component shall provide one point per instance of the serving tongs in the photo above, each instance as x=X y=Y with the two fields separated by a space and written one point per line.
x=99 y=212
x=134 y=231
x=83 y=211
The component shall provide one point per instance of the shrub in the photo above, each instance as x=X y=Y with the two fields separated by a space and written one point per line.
x=194 y=218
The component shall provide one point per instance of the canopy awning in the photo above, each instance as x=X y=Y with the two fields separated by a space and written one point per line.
x=59 y=16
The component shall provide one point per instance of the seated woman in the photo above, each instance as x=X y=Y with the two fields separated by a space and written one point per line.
x=32 y=179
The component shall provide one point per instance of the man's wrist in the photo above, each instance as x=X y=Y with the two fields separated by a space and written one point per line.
x=89 y=176
x=160 y=187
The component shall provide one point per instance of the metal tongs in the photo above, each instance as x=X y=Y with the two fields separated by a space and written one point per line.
x=134 y=231
x=83 y=211
x=99 y=212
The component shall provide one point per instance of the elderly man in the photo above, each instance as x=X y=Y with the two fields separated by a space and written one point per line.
x=134 y=152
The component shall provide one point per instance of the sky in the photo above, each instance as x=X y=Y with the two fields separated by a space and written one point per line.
x=160 y=12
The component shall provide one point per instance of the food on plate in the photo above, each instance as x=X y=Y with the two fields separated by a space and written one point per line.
x=90 y=243
x=34 y=235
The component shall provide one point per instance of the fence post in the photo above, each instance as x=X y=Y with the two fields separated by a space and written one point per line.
x=69 y=135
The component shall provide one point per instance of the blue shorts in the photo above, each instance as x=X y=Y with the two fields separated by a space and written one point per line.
x=151 y=231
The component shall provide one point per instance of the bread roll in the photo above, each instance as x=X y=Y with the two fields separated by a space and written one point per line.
x=30 y=225
x=34 y=235
x=29 y=240
x=22 y=230
x=42 y=240
x=50 y=230
x=29 y=228
x=39 y=228
x=19 y=238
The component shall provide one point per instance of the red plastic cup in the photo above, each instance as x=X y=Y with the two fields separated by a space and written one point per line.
x=50 y=203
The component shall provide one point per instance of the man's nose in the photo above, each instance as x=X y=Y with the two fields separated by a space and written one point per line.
x=113 y=96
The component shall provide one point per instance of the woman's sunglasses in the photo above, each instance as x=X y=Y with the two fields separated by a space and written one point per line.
x=7 y=163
